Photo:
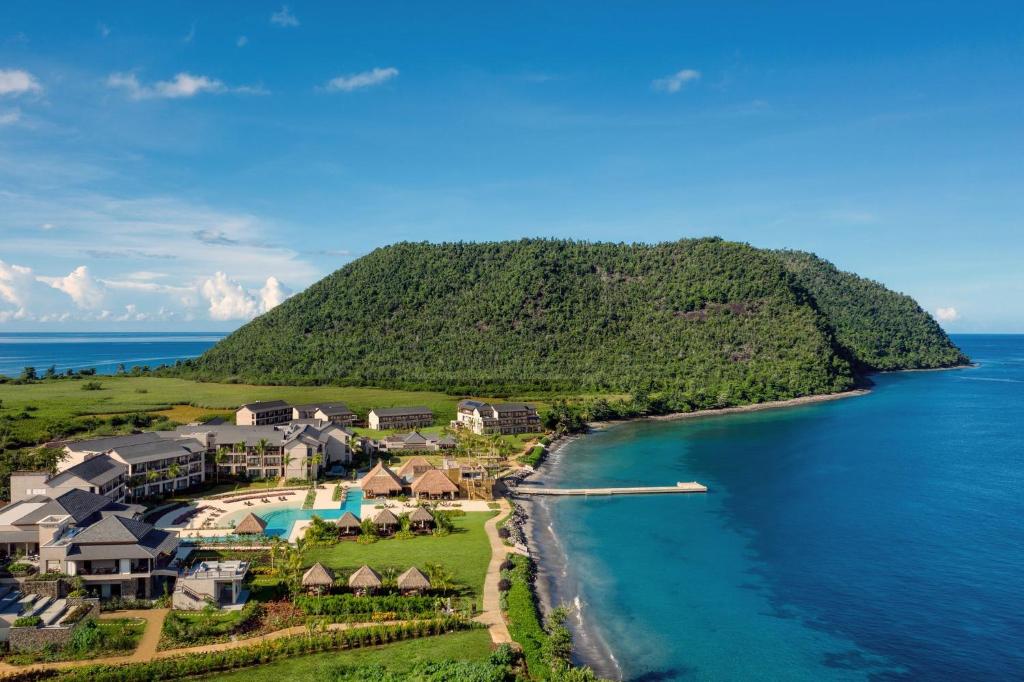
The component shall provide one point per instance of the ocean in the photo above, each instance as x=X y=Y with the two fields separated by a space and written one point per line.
x=100 y=351
x=877 y=537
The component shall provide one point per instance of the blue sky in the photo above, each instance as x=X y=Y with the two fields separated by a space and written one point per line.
x=188 y=165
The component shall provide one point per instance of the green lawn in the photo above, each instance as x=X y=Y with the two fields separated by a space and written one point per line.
x=399 y=658
x=466 y=552
x=48 y=402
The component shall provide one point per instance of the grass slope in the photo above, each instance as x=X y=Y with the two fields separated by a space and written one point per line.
x=398 y=658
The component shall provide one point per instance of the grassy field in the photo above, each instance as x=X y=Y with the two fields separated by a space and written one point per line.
x=398 y=658
x=36 y=410
x=466 y=552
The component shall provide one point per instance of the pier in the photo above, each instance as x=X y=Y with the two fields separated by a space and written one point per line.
x=691 y=487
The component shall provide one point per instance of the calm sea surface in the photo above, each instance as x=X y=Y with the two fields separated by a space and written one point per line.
x=102 y=351
x=879 y=537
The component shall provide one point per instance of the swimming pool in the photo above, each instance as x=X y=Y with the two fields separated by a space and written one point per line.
x=280 y=518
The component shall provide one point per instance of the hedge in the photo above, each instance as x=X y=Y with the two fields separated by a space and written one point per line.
x=350 y=605
x=194 y=665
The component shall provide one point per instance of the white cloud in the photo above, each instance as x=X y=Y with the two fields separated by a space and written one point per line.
x=15 y=283
x=47 y=226
x=242 y=41
x=273 y=294
x=676 y=81
x=949 y=314
x=85 y=291
x=230 y=301
x=183 y=85
x=18 y=82
x=355 y=81
x=9 y=117
x=284 y=17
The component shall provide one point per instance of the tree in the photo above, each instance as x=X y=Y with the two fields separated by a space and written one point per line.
x=51 y=372
x=28 y=374
x=439 y=576
x=315 y=467
x=174 y=470
x=219 y=458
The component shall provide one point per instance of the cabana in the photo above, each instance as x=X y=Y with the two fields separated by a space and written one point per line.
x=364 y=580
x=434 y=485
x=348 y=524
x=413 y=581
x=414 y=468
x=251 y=525
x=318 y=578
x=421 y=518
x=386 y=521
x=380 y=481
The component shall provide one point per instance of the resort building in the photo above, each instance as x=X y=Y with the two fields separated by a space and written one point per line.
x=263 y=413
x=100 y=474
x=399 y=418
x=211 y=582
x=337 y=413
x=415 y=441
x=421 y=479
x=155 y=464
x=381 y=481
x=504 y=418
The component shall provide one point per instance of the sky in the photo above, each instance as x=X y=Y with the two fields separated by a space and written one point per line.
x=187 y=166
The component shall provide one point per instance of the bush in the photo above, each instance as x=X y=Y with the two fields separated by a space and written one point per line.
x=19 y=568
x=347 y=605
x=535 y=456
x=77 y=614
x=27 y=621
x=92 y=386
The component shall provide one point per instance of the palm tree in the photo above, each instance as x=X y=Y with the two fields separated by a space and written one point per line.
x=174 y=470
x=287 y=459
x=219 y=458
x=314 y=468
x=439 y=576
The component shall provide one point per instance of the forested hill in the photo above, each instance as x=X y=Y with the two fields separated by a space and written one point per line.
x=707 y=322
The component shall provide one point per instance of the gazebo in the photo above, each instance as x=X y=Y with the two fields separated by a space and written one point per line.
x=251 y=525
x=381 y=481
x=413 y=581
x=434 y=484
x=364 y=580
x=386 y=520
x=318 y=578
x=421 y=518
x=348 y=524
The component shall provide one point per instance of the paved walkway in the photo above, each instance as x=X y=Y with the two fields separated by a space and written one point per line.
x=491 y=616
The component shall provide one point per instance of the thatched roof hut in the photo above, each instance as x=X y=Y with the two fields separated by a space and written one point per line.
x=421 y=517
x=413 y=580
x=413 y=468
x=318 y=576
x=348 y=523
x=365 y=578
x=251 y=525
x=386 y=517
x=434 y=483
x=380 y=481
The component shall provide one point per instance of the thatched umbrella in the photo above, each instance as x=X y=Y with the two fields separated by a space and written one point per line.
x=251 y=525
x=318 y=577
x=421 y=518
x=434 y=483
x=348 y=523
x=386 y=519
x=365 y=579
x=413 y=580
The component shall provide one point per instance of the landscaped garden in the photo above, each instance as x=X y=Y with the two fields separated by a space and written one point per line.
x=93 y=639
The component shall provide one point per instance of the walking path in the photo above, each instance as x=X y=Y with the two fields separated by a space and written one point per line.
x=491 y=616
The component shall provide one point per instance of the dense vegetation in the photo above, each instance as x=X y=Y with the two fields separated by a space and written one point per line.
x=709 y=322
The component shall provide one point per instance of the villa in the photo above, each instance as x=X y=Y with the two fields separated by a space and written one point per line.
x=504 y=418
x=337 y=413
x=263 y=413
x=420 y=479
x=100 y=474
x=211 y=582
x=415 y=441
x=399 y=418
x=155 y=464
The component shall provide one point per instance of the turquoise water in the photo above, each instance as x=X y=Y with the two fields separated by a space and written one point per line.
x=878 y=537
x=100 y=351
x=280 y=519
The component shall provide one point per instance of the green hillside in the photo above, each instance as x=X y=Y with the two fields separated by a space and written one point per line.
x=710 y=322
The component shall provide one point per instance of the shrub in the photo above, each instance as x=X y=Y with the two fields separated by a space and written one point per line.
x=19 y=568
x=535 y=456
x=27 y=621
x=77 y=614
x=92 y=386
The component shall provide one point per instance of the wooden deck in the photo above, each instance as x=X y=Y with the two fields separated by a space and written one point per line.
x=691 y=487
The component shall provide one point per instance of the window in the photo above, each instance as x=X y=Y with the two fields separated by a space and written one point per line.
x=53 y=566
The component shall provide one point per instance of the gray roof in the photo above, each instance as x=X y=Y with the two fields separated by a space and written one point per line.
x=229 y=434
x=116 y=537
x=327 y=408
x=472 y=404
x=400 y=411
x=512 y=407
x=111 y=442
x=100 y=468
x=78 y=504
x=162 y=447
x=267 y=405
x=114 y=529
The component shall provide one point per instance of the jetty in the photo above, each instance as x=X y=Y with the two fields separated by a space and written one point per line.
x=690 y=487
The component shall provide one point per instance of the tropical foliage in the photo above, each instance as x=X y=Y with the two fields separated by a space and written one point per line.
x=718 y=323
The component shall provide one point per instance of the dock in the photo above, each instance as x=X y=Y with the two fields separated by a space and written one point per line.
x=690 y=487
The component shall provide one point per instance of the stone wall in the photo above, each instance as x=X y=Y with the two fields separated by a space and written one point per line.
x=55 y=589
x=32 y=638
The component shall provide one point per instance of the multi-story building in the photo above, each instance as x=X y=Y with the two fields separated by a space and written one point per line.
x=337 y=413
x=503 y=418
x=263 y=413
x=415 y=441
x=156 y=465
x=98 y=474
x=399 y=418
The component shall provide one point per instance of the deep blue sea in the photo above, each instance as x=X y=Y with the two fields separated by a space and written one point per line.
x=101 y=351
x=878 y=537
